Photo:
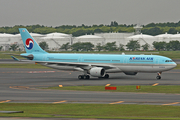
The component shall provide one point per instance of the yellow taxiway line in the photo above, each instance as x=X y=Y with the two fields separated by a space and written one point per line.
x=172 y=103
x=59 y=102
x=155 y=84
x=5 y=101
x=108 y=84
x=117 y=102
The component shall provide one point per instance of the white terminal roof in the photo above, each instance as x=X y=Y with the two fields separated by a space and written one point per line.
x=175 y=36
x=88 y=36
x=57 y=34
x=36 y=35
x=6 y=35
x=52 y=37
x=140 y=36
x=164 y=35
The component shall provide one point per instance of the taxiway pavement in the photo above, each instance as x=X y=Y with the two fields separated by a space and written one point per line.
x=21 y=86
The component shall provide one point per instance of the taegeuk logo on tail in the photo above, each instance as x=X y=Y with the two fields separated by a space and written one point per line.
x=29 y=43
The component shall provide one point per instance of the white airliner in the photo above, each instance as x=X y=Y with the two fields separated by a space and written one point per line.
x=97 y=65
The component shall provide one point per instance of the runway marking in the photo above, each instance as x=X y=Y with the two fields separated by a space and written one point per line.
x=155 y=84
x=5 y=101
x=59 y=102
x=34 y=72
x=41 y=71
x=18 y=87
x=172 y=103
x=117 y=102
x=108 y=84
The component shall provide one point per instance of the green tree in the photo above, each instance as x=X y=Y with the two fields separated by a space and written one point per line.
x=79 y=32
x=65 y=46
x=13 y=47
x=110 y=46
x=145 y=46
x=76 y=46
x=1 y=48
x=99 y=47
x=43 y=45
x=151 y=25
x=152 y=31
x=87 y=46
x=172 y=31
x=159 y=45
x=121 y=47
x=114 y=23
x=98 y=31
x=173 y=45
x=133 y=45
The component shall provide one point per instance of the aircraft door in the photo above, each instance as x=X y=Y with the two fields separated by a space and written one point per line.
x=80 y=59
x=44 y=57
x=157 y=61
x=125 y=60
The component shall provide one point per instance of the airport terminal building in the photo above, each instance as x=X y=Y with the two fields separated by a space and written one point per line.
x=56 y=40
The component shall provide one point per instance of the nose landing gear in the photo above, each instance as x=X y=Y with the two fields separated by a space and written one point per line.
x=159 y=75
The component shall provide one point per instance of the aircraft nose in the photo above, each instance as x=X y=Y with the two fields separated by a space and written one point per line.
x=174 y=65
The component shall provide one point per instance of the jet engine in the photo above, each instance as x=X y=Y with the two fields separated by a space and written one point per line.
x=97 y=71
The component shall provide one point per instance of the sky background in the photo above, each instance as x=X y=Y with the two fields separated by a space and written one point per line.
x=88 y=12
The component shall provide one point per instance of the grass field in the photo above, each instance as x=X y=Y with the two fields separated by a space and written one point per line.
x=106 y=111
x=127 y=88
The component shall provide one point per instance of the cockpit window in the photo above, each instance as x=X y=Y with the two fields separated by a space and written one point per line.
x=168 y=61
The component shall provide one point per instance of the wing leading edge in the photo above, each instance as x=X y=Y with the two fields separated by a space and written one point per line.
x=84 y=66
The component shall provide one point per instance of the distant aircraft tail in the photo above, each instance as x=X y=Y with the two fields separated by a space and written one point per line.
x=30 y=44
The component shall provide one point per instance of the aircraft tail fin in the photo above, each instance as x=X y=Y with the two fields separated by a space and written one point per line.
x=30 y=44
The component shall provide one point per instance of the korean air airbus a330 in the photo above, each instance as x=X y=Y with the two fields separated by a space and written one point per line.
x=96 y=65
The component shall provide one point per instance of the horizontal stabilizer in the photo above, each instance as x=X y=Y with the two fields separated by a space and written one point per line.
x=15 y=58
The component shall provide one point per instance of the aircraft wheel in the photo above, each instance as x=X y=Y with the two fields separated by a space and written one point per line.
x=106 y=76
x=79 y=77
x=87 y=76
x=158 y=77
x=82 y=76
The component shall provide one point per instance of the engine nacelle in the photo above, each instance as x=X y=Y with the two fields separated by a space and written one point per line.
x=130 y=73
x=97 y=71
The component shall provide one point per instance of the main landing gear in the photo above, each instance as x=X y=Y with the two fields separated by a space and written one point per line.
x=83 y=77
x=159 y=75
x=88 y=77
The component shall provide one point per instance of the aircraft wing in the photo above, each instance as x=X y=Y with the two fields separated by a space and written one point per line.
x=80 y=65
